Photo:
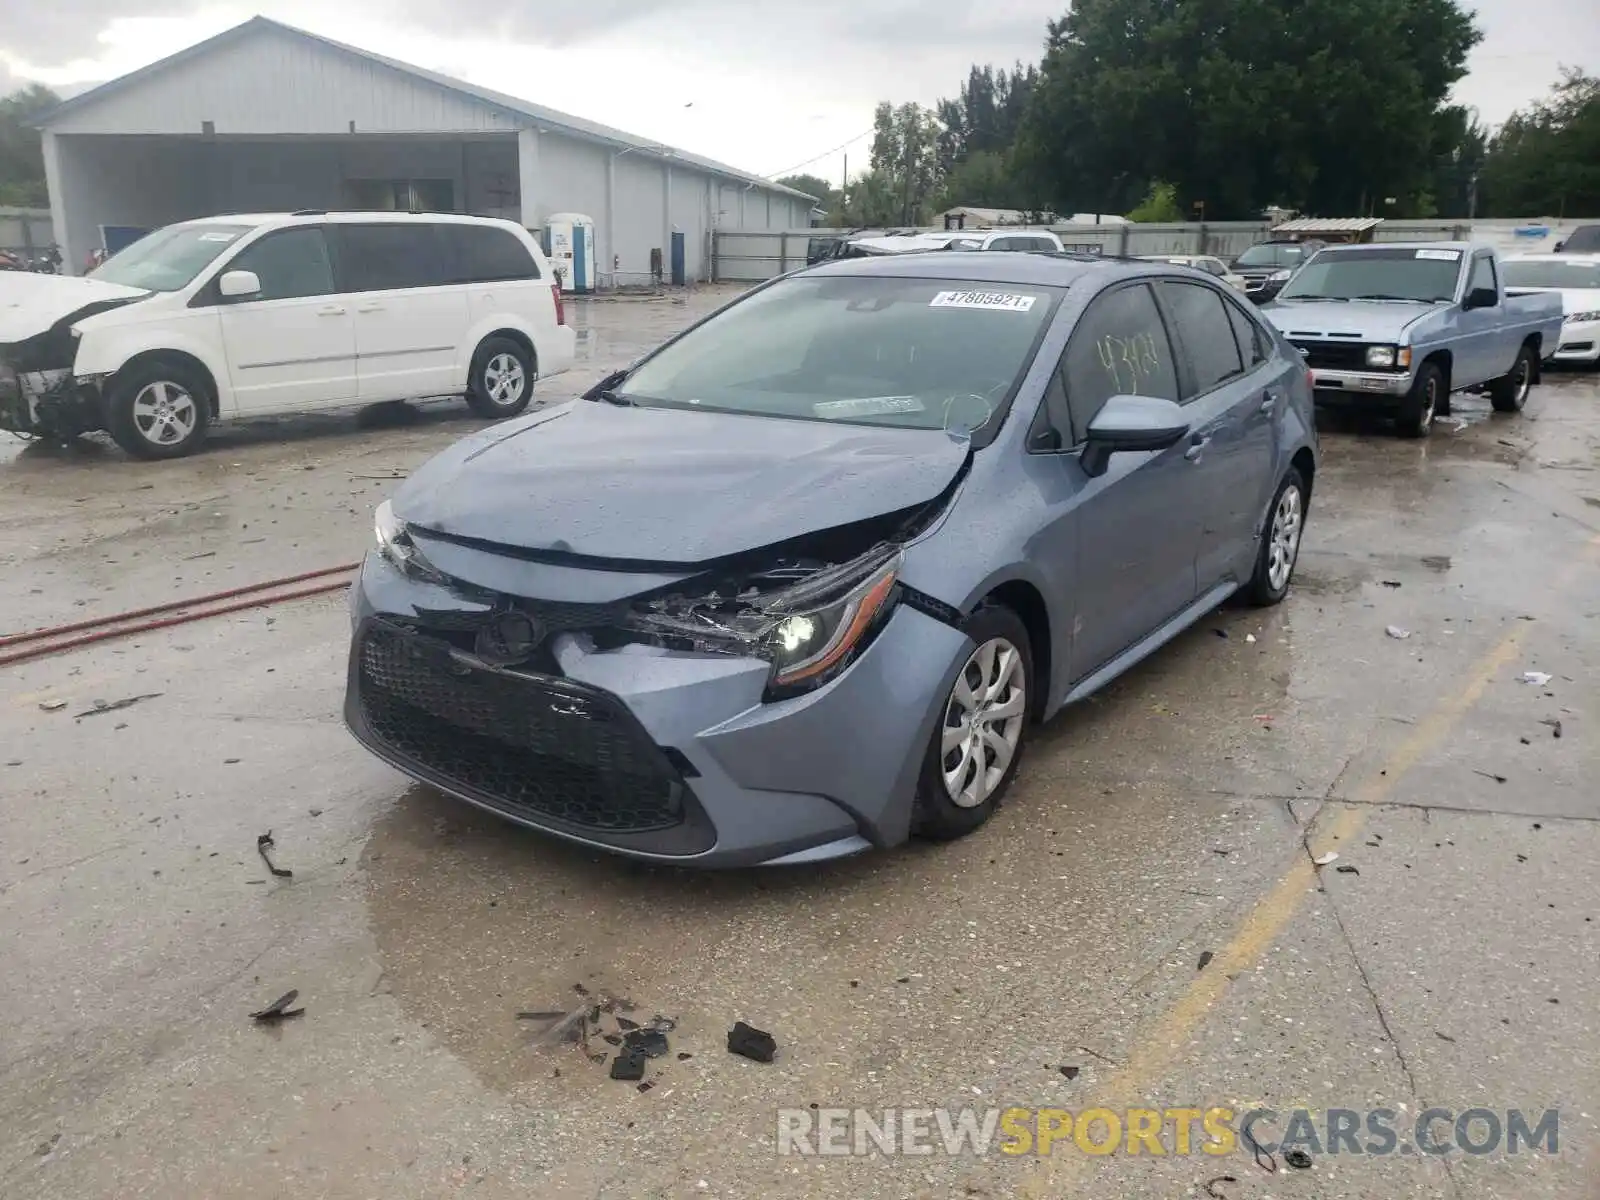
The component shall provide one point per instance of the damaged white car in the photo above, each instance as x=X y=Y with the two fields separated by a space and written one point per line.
x=243 y=316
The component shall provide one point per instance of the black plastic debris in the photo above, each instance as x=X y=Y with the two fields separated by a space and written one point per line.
x=1298 y=1159
x=1391 y=583
x=1211 y=1186
x=748 y=1042
x=1555 y=725
x=1443 y=1037
x=651 y=1043
x=628 y=1065
x=1490 y=775
x=611 y=1039
x=646 y=1086
x=279 y=1009
x=540 y=1016
x=1346 y=869
x=624 y=1024
x=1069 y=1072
x=684 y=1056
x=1221 y=633
x=1205 y=961
x=264 y=846
x=101 y=706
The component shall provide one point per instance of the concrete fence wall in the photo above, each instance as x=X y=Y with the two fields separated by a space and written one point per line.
x=744 y=256
x=25 y=229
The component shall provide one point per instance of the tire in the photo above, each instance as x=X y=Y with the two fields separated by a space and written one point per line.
x=158 y=409
x=1510 y=392
x=1281 y=533
x=501 y=384
x=1421 y=405
x=945 y=811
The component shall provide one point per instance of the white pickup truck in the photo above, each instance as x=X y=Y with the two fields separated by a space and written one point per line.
x=1397 y=327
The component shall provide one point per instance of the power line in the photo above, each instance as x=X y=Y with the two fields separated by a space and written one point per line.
x=824 y=154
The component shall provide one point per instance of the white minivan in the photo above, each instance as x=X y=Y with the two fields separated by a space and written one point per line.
x=238 y=316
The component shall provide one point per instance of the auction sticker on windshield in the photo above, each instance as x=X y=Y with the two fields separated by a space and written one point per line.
x=868 y=406
x=1439 y=255
x=1005 y=301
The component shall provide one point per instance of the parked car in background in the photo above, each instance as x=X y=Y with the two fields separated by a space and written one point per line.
x=1209 y=263
x=796 y=584
x=1398 y=327
x=1585 y=239
x=244 y=315
x=1267 y=266
x=1576 y=279
x=916 y=242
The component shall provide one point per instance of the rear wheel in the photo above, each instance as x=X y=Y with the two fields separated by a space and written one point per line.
x=158 y=409
x=1510 y=392
x=973 y=755
x=1280 y=542
x=502 y=379
x=1421 y=405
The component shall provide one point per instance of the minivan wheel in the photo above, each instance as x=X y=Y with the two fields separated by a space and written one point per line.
x=502 y=379
x=976 y=746
x=1280 y=542
x=1421 y=405
x=158 y=410
x=1510 y=392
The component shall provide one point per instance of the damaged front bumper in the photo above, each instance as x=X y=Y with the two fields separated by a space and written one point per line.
x=664 y=754
x=49 y=403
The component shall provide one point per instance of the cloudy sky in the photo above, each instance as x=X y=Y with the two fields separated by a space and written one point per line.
x=768 y=87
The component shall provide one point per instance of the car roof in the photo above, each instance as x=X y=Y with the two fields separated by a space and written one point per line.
x=1462 y=247
x=1036 y=267
x=343 y=216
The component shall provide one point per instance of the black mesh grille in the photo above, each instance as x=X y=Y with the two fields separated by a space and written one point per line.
x=532 y=746
x=1335 y=356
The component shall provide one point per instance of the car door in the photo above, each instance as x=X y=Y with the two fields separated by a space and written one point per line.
x=292 y=344
x=1483 y=341
x=502 y=281
x=1136 y=522
x=1230 y=450
x=410 y=315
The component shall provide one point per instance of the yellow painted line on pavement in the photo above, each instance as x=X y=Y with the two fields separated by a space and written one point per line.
x=1162 y=1046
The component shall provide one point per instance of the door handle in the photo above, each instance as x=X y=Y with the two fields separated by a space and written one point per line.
x=1197 y=446
x=1269 y=402
x=331 y=310
x=369 y=308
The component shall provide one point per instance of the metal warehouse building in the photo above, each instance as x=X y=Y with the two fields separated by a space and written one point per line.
x=268 y=118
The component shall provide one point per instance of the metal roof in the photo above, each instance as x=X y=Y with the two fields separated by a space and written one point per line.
x=1328 y=225
x=561 y=122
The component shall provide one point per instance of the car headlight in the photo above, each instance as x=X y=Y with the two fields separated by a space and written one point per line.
x=1280 y=276
x=809 y=632
x=396 y=546
x=1574 y=318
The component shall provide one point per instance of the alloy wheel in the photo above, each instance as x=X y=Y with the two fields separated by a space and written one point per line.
x=1284 y=546
x=165 y=413
x=504 y=379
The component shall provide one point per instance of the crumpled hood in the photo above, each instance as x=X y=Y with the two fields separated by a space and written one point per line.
x=670 y=486
x=1366 y=320
x=30 y=303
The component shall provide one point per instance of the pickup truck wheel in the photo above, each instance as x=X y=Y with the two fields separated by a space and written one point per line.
x=1417 y=410
x=1510 y=392
x=158 y=410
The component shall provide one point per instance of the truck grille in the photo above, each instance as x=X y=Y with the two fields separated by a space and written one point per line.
x=1335 y=356
x=540 y=748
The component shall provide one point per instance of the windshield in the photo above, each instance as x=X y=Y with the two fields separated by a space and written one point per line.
x=917 y=353
x=1552 y=273
x=1375 y=273
x=170 y=258
x=1274 y=255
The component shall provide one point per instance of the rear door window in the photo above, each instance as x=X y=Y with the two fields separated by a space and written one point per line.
x=489 y=254
x=390 y=256
x=1254 y=347
x=1120 y=347
x=1202 y=329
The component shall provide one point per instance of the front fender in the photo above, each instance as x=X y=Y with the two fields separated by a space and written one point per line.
x=104 y=352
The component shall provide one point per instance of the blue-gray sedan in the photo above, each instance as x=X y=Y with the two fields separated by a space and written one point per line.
x=798 y=582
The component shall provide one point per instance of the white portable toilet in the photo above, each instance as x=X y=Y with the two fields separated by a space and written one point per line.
x=570 y=238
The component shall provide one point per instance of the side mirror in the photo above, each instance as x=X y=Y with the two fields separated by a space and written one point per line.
x=237 y=284
x=1484 y=297
x=1131 y=423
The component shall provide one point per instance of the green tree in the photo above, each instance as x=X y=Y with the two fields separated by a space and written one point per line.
x=1545 y=160
x=1318 y=105
x=905 y=152
x=982 y=179
x=870 y=199
x=811 y=185
x=21 y=159
x=1160 y=204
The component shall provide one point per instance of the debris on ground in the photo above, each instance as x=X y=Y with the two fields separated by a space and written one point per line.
x=1346 y=869
x=1211 y=1186
x=1221 y=633
x=1555 y=725
x=1391 y=583
x=52 y=705
x=652 y=1043
x=1249 y=637
x=1395 y=631
x=264 y=846
x=1443 y=1037
x=1298 y=1159
x=1205 y=960
x=279 y=1009
x=101 y=706
x=628 y=1065
x=48 y=1147
x=1490 y=775
x=1537 y=678
x=748 y=1042
x=1324 y=859
x=1069 y=1072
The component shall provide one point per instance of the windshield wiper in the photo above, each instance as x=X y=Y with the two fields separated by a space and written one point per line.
x=1405 y=299
x=617 y=398
x=1319 y=299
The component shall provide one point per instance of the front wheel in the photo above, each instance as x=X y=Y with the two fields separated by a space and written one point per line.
x=1510 y=392
x=502 y=379
x=158 y=410
x=1422 y=403
x=973 y=755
